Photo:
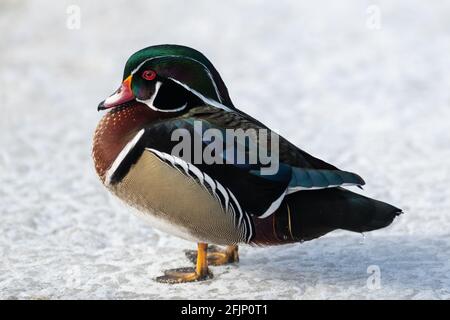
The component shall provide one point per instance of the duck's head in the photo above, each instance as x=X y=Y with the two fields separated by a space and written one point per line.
x=167 y=78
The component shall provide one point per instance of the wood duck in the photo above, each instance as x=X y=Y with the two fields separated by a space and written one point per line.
x=227 y=202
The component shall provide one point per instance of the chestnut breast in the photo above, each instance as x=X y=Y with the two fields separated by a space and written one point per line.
x=115 y=130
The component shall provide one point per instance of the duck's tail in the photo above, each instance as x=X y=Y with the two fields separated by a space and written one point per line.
x=306 y=215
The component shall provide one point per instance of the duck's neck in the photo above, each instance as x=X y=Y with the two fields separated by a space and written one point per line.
x=115 y=130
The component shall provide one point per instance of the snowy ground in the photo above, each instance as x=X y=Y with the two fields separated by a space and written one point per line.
x=368 y=99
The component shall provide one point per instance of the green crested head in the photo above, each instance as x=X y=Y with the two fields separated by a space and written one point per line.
x=162 y=73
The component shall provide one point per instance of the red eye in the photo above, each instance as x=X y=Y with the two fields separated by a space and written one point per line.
x=149 y=75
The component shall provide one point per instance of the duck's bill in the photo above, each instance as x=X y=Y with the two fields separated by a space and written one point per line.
x=122 y=95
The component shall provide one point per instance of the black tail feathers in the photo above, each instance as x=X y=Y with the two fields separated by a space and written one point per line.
x=311 y=214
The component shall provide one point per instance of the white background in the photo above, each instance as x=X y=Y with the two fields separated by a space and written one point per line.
x=371 y=100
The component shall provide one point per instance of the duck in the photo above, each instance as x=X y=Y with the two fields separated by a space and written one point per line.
x=162 y=147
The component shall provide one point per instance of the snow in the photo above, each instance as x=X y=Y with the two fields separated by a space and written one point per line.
x=367 y=99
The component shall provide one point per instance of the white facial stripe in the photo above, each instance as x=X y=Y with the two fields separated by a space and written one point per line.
x=175 y=56
x=202 y=97
x=149 y=102
x=170 y=110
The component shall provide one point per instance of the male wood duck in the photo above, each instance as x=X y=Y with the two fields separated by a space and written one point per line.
x=166 y=88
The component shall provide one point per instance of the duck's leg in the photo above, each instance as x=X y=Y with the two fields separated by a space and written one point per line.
x=217 y=256
x=200 y=272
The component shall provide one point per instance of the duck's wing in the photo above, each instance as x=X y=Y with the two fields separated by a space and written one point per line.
x=235 y=187
x=308 y=172
x=288 y=152
x=256 y=190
